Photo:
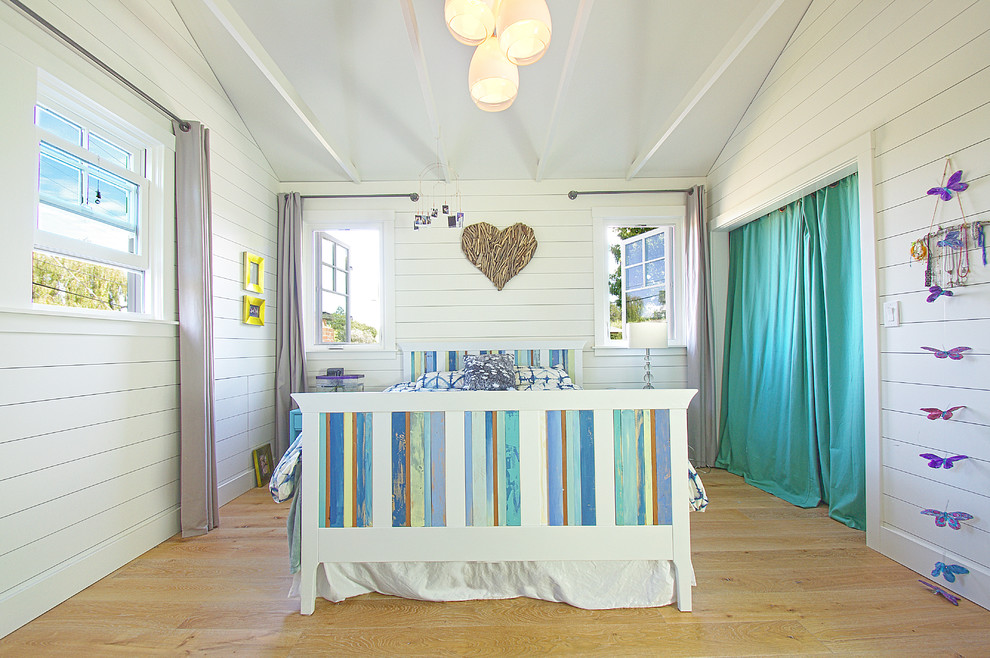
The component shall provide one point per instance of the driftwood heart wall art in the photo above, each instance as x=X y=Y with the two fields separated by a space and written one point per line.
x=499 y=254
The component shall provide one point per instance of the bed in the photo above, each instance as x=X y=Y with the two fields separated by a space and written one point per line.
x=554 y=492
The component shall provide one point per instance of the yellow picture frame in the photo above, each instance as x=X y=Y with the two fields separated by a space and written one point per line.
x=253 y=310
x=263 y=464
x=254 y=272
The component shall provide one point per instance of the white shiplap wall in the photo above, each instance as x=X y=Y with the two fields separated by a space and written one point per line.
x=89 y=407
x=916 y=74
x=441 y=296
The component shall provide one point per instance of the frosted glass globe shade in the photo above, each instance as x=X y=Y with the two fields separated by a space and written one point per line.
x=524 y=30
x=470 y=21
x=492 y=79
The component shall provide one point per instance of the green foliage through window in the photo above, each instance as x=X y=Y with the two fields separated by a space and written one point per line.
x=335 y=328
x=61 y=281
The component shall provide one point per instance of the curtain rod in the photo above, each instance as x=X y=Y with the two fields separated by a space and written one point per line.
x=573 y=194
x=183 y=125
x=412 y=196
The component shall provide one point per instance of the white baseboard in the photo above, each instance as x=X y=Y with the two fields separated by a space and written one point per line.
x=234 y=487
x=919 y=556
x=48 y=589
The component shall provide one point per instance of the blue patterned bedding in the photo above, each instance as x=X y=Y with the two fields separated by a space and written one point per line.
x=527 y=378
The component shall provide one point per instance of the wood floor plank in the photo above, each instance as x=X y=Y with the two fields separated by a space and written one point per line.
x=775 y=638
x=773 y=579
x=369 y=613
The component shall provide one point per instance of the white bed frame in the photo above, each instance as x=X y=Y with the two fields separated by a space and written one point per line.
x=533 y=539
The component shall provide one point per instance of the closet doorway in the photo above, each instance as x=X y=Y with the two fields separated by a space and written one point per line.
x=792 y=416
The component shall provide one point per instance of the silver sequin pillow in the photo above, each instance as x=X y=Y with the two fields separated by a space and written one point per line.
x=490 y=372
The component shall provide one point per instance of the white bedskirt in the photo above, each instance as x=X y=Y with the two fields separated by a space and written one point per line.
x=590 y=585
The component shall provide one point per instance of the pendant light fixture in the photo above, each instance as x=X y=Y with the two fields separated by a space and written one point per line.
x=492 y=79
x=507 y=33
x=524 y=29
x=470 y=21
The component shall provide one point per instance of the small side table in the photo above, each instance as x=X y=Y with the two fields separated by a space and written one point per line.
x=337 y=383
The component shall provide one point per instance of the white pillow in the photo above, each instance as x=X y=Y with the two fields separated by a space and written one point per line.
x=442 y=381
x=537 y=378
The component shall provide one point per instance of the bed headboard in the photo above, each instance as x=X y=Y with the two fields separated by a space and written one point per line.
x=426 y=356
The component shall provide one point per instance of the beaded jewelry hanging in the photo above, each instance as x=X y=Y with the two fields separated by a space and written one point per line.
x=945 y=250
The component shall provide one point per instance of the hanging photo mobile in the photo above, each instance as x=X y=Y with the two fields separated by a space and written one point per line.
x=439 y=199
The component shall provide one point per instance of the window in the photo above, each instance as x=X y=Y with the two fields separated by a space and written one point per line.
x=332 y=291
x=93 y=237
x=350 y=277
x=636 y=275
x=641 y=271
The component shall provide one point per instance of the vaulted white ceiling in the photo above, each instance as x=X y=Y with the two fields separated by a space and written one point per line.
x=376 y=90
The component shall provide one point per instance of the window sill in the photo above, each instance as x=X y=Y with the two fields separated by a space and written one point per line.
x=64 y=320
x=618 y=350
x=316 y=351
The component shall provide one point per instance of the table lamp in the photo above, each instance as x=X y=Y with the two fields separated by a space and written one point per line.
x=647 y=335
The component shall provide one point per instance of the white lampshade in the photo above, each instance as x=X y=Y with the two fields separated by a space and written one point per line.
x=649 y=335
x=492 y=79
x=470 y=21
x=523 y=28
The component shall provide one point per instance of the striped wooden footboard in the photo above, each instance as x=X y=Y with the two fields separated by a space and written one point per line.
x=495 y=476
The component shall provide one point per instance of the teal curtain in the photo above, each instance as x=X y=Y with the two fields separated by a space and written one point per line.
x=792 y=419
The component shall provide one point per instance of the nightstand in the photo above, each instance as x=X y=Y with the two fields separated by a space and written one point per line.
x=337 y=383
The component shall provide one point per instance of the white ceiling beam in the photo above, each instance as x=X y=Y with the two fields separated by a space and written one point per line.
x=733 y=48
x=419 y=60
x=239 y=31
x=573 y=48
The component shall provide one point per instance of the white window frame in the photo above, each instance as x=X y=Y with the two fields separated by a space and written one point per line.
x=147 y=171
x=667 y=274
x=671 y=217
x=319 y=241
x=317 y=220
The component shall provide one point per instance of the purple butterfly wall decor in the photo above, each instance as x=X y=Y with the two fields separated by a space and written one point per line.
x=951 y=598
x=935 y=413
x=952 y=239
x=955 y=353
x=955 y=184
x=949 y=571
x=937 y=291
x=951 y=519
x=941 y=462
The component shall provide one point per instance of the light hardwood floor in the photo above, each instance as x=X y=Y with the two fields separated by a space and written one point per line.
x=772 y=579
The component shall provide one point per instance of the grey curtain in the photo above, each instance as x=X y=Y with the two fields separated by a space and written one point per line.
x=199 y=506
x=702 y=434
x=290 y=346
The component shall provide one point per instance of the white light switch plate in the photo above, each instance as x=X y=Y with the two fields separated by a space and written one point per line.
x=891 y=314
